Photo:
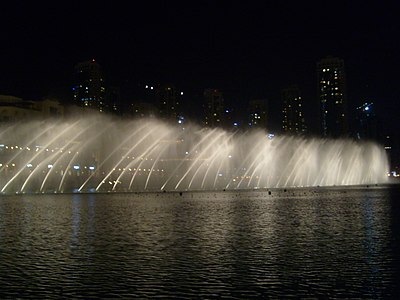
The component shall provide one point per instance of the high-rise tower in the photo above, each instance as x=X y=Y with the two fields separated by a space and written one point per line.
x=89 y=88
x=293 y=111
x=258 y=113
x=332 y=97
x=214 y=108
x=169 y=101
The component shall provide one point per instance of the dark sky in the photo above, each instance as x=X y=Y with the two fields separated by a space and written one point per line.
x=248 y=49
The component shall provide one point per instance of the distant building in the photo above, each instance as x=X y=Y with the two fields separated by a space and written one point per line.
x=293 y=111
x=169 y=102
x=113 y=100
x=258 y=113
x=89 y=90
x=50 y=108
x=213 y=108
x=143 y=110
x=16 y=109
x=332 y=97
x=146 y=93
x=366 y=123
x=230 y=118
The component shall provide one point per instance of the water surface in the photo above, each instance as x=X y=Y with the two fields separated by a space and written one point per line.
x=286 y=243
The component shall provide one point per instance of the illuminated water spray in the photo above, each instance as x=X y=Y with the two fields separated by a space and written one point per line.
x=97 y=154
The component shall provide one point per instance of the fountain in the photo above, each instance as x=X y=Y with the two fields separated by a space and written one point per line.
x=98 y=154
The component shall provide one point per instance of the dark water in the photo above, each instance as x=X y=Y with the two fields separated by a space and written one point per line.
x=320 y=243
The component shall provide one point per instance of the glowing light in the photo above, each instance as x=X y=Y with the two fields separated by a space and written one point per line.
x=162 y=154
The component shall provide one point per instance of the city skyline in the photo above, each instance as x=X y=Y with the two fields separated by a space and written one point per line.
x=249 y=51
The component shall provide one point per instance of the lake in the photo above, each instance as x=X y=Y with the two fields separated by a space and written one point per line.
x=279 y=243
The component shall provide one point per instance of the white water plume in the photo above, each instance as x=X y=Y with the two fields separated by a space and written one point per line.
x=97 y=153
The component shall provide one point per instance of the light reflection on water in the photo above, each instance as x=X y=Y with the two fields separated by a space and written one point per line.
x=300 y=243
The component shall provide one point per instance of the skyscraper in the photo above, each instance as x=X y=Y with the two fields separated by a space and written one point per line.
x=214 y=108
x=89 y=90
x=332 y=97
x=169 y=101
x=258 y=113
x=113 y=100
x=293 y=111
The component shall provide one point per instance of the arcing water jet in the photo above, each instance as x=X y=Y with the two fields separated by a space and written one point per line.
x=151 y=155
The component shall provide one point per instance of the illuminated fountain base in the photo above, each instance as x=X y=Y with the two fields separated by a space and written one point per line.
x=97 y=154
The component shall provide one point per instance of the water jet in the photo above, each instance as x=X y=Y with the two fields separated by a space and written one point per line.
x=152 y=155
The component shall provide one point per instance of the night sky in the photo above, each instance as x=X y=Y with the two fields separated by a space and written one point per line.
x=248 y=49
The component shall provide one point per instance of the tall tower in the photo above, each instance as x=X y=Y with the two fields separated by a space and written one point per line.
x=332 y=97
x=293 y=111
x=258 y=113
x=169 y=100
x=214 y=108
x=89 y=88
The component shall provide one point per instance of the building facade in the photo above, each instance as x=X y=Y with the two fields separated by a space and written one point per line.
x=169 y=102
x=89 y=89
x=332 y=97
x=213 y=108
x=14 y=109
x=258 y=113
x=293 y=120
x=142 y=110
x=113 y=100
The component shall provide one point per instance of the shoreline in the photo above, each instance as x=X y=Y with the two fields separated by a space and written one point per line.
x=270 y=191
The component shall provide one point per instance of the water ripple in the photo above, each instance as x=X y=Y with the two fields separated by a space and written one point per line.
x=319 y=244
